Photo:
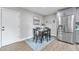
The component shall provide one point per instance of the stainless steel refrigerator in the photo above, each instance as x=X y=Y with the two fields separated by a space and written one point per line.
x=67 y=26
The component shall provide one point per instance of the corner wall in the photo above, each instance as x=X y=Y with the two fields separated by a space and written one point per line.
x=26 y=24
x=49 y=21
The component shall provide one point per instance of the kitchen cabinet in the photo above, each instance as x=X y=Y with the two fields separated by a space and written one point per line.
x=68 y=11
x=77 y=36
x=77 y=15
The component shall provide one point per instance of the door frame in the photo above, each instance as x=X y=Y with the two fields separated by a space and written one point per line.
x=1 y=28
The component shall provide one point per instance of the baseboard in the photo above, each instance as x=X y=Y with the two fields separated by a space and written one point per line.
x=17 y=40
x=27 y=38
x=20 y=39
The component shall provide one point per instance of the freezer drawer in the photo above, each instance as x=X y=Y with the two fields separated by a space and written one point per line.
x=68 y=37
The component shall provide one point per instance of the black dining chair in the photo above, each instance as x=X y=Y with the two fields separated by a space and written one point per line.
x=47 y=34
x=34 y=34
x=37 y=35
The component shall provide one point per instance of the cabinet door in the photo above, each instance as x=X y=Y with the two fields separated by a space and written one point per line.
x=77 y=15
x=77 y=36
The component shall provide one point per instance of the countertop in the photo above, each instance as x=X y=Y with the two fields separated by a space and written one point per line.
x=77 y=29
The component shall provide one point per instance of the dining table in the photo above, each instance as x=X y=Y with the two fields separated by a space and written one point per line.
x=41 y=34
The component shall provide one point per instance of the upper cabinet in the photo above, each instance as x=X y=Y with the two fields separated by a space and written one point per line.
x=67 y=11
x=77 y=15
x=70 y=11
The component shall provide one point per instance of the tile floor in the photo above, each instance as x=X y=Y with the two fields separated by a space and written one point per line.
x=55 y=46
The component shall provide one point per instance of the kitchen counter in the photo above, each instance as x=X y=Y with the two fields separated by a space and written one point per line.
x=77 y=35
x=77 y=29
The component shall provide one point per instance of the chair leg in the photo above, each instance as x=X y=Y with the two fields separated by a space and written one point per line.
x=36 y=39
x=47 y=38
x=33 y=38
x=41 y=38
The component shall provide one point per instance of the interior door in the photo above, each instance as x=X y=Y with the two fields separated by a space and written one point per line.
x=10 y=24
x=0 y=28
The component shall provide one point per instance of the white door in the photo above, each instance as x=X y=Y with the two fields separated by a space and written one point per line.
x=0 y=28
x=10 y=23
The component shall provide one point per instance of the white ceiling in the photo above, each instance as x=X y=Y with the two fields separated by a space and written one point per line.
x=43 y=10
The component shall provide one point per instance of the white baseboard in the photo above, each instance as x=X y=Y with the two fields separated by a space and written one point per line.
x=27 y=38
x=18 y=40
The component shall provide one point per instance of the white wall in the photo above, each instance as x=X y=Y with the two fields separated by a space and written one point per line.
x=48 y=20
x=26 y=24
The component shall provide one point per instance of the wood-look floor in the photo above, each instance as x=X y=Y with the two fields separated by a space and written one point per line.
x=54 y=46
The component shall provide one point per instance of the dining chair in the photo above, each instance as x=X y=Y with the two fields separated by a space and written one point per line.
x=45 y=35
x=48 y=34
x=34 y=34
x=37 y=35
